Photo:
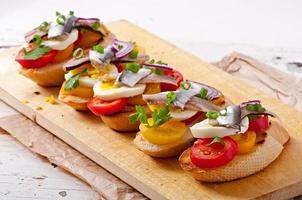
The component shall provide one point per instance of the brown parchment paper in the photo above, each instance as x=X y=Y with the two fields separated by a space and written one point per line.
x=56 y=151
x=282 y=86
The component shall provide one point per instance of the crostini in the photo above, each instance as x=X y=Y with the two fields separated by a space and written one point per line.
x=51 y=44
x=167 y=133
x=232 y=143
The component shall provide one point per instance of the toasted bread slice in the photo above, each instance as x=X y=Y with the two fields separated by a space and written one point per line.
x=50 y=75
x=78 y=103
x=241 y=166
x=163 y=151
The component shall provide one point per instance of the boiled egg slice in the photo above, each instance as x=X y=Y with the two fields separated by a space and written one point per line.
x=205 y=130
x=108 y=91
x=88 y=81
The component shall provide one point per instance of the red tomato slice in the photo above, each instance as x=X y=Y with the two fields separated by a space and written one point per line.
x=259 y=124
x=174 y=74
x=37 y=63
x=193 y=118
x=101 y=107
x=210 y=156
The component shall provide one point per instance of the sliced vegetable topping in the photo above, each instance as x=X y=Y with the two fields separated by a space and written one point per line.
x=74 y=81
x=101 y=107
x=260 y=124
x=78 y=53
x=206 y=154
x=134 y=67
x=245 y=142
x=212 y=115
x=36 y=53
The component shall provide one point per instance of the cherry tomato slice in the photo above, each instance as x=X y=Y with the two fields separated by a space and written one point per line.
x=174 y=74
x=101 y=107
x=260 y=124
x=37 y=63
x=204 y=155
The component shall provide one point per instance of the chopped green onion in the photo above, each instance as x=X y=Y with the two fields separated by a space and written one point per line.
x=152 y=61
x=61 y=19
x=58 y=13
x=158 y=71
x=98 y=48
x=185 y=85
x=133 y=54
x=134 y=67
x=44 y=25
x=202 y=93
x=78 y=53
x=171 y=96
x=217 y=140
x=95 y=25
x=212 y=115
x=120 y=46
x=161 y=63
x=71 y=13
x=255 y=107
x=37 y=39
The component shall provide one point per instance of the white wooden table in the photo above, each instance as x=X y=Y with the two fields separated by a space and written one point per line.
x=267 y=30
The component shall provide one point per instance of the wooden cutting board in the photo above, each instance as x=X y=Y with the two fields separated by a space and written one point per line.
x=158 y=178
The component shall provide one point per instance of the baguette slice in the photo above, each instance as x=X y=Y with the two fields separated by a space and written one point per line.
x=163 y=151
x=78 y=103
x=241 y=166
x=50 y=75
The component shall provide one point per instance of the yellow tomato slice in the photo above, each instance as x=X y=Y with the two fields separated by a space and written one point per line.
x=151 y=88
x=63 y=54
x=80 y=91
x=245 y=142
x=219 y=101
x=167 y=133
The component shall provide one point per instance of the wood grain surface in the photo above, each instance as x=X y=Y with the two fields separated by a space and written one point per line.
x=158 y=178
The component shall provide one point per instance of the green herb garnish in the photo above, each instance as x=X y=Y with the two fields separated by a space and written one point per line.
x=212 y=115
x=155 y=70
x=36 y=53
x=43 y=26
x=158 y=117
x=133 y=54
x=152 y=61
x=161 y=63
x=171 y=96
x=37 y=40
x=120 y=46
x=61 y=19
x=185 y=85
x=99 y=48
x=74 y=81
x=255 y=107
x=71 y=13
x=78 y=53
x=134 y=67
x=202 y=93
x=95 y=25
x=217 y=140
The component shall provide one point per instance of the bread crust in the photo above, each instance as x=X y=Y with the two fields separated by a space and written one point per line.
x=78 y=103
x=163 y=151
x=49 y=75
x=241 y=166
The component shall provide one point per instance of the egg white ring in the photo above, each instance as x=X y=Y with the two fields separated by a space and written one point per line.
x=116 y=93
x=61 y=45
x=205 y=130
x=183 y=115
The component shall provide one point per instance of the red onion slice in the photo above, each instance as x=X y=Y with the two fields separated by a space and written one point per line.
x=253 y=102
x=123 y=48
x=158 y=66
x=86 y=21
x=213 y=93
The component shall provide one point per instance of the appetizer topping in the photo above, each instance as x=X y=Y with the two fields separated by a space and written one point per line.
x=74 y=81
x=123 y=49
x=40 y=31
x=36 y=53
x=109 y=91
x=92 y=23
x=100 y=57
x=245 y=142
x=101 y=107
x=196 y=103
x=211 y=153
x=211 y=93
x=63 y=26
x=78 y=53
x=63 y=41
x=156 y=78
x=132 y=75
x=76 y=62
x=141 y=58
x=259 y=124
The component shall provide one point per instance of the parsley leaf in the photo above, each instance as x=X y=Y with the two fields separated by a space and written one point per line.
x=133 y=54
x=217 y=140
x=37 y=53
x=134 y=67
x=74 y=81
x=158 y=117
x=171 y=96
x=95 y=25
